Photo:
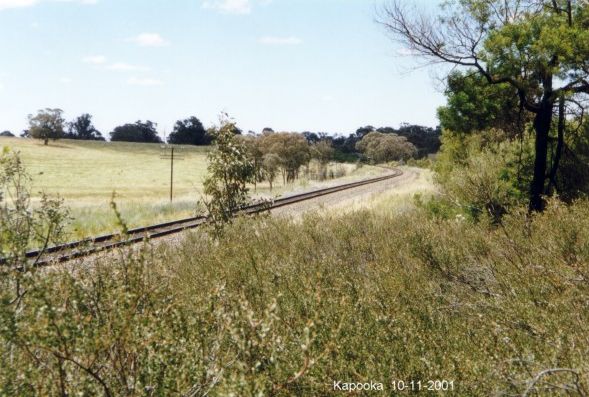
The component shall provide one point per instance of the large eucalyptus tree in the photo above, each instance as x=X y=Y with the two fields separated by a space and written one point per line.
x=539 y=47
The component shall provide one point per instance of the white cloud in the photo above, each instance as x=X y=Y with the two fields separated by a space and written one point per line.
x=65 y=80
x=147 y=82
x=125 y=67
x=149 y=40
x=6 y=4
x=229 y=6
x=273 y=40
x=95 y=59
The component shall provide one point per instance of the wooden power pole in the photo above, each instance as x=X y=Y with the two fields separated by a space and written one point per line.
x=173 y=154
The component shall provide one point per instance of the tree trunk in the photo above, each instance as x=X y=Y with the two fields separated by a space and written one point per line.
x=542 y=123
x=559 y=146
x=46 y=141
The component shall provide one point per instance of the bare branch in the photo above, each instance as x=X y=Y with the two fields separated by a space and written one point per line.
x=456 y=37
x=532 y=386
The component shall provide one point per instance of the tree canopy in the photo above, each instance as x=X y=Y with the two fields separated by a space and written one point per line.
x=138 y=132
x=46 y=124
x=381 y=148
x=189 y=132
x=81 y=128
x=292 y=148
x=475 y=106
x=539 y=48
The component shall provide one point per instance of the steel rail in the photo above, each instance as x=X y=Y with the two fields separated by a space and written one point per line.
x=89 y=246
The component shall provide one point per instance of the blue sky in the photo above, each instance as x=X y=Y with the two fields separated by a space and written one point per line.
x=293 y=65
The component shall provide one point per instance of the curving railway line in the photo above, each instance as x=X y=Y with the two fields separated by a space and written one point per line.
x=86 y=247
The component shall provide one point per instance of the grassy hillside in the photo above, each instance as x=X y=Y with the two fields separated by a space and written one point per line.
x=86 y=173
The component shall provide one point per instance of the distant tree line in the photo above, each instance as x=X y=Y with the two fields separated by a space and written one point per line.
x=386 y=143
x=425 y=139
x=49 y=124
x=285 y=154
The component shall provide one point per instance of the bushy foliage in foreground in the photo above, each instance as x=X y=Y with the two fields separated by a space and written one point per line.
x=285 y=308
x=484 y=175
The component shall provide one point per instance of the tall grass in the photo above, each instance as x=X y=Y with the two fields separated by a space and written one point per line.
x=285 y=308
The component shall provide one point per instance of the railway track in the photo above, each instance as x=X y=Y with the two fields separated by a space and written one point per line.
x=86 y=247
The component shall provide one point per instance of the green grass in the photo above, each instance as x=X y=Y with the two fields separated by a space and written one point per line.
x=86 y=173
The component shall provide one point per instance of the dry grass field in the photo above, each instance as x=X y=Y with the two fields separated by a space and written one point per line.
x=87 y=173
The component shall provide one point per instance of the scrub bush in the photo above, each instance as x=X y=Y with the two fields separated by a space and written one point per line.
x=276 y=307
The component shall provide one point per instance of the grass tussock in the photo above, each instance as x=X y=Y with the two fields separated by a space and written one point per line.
x=283 y=308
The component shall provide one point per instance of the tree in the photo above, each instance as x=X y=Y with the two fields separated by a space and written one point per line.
x=81 y=128
x=47 y=124
x=270 y=166
x=189 y=132
x=475 y=106
x=229 y=172
x=6 y=134
x=293 y=150
x=425 y=139
x=363 y=131
x=255 y=154
x=345 y=147
x=138 y=132
x=322 y=151
x=539 y=48
x=311 y=137
x=380 y=148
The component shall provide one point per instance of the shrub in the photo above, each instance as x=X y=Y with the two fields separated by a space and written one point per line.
x=229 y=172
x=284 y=308
x=22 y=226
x=484 y=174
